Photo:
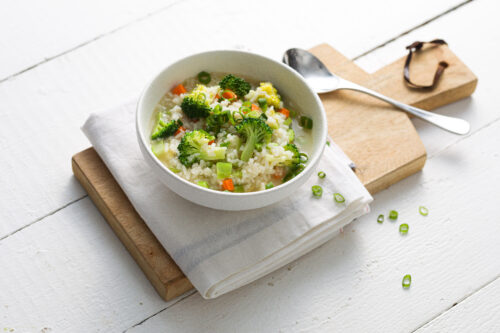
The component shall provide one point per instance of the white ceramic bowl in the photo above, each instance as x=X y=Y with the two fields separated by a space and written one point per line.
x=291 y=87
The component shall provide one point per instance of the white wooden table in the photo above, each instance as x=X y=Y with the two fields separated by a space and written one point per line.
x=63 y=269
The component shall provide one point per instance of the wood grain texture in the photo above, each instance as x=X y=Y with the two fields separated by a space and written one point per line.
x=83 y=22
x=478 y=313
x=109 y=198
x=379 y=139
x=383 y=144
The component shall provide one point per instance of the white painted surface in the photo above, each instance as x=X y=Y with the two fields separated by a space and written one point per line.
x=68 y=272
x=33 y=31
x=52 y=100
x=478 y=313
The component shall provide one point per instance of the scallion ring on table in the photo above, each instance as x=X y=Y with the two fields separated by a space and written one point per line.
x=321 y=174
x=406 y=281
x=380 y=218
x=204 y=77
x=339 y=198
x=393 y=215
x=317 y=190
x=403 y=228
x=423 y=211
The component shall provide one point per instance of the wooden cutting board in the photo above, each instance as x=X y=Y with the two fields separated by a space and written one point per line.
x=380 y=140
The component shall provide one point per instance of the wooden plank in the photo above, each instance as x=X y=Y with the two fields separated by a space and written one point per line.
x=399 y=153
x=380 y=140
x=25 y=45
x=109 y=198
x=479 y=312
x=70 y=273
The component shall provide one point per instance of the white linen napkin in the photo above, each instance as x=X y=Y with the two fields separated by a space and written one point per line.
x=220 y=251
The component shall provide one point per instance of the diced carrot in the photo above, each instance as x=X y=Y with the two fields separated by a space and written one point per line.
x=279 y=173
x=227 y=184
x=179 y=130
x=228 y=94
x=211 y=141
x=286 y=112
x=254 y=107
x=179 y=90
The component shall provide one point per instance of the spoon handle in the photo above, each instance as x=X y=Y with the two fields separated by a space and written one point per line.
x=451 y=124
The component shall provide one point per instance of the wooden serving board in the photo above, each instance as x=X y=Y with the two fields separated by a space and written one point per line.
x=380 y=140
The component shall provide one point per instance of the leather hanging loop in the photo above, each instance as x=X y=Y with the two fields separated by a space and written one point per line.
x=415 y=47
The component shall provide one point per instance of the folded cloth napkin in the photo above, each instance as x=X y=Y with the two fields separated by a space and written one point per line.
x=220 y=251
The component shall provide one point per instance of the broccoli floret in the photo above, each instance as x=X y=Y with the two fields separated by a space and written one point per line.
x=255 y=131
x=163 y=129
x=236 y=84
x=194 y=147
x=195 y=104
x=216 y=119
x=295 y=160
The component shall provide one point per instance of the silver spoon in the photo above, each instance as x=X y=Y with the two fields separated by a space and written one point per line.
x=322 y=80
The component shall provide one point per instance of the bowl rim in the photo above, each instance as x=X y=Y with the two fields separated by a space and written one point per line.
x=310 y=164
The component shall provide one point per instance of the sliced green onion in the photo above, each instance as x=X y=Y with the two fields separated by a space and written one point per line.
x=287 y=121
x=269 y=185
x=423 y=211
x=217 y=108
x=303 y=157
x=262 y=103
x=245 y=109
x=247 y=104
x=393 y=215
x=406 y=281
x=253 y=114
x=158 y=147
x=299 y=168
x=317 y=190
x=403 y=228
x=174 y=170
x=306 y=122
x=291 y=135
x=225 y=144
x=380 y=218
x=321 y=174
x=328 y=142
x=224 y=170
x=239 y=189
x=339 y=198
x=204 y=77
x=202 y=183
x=231 y=118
